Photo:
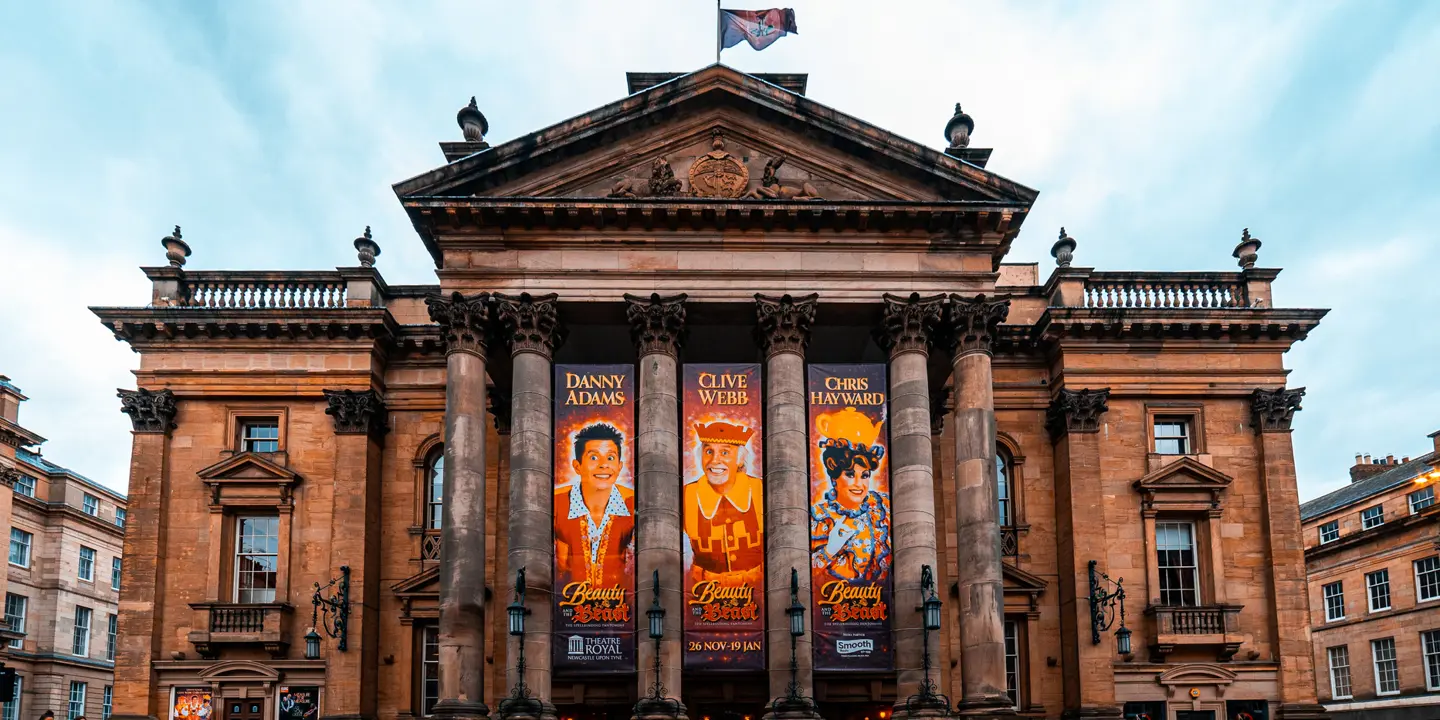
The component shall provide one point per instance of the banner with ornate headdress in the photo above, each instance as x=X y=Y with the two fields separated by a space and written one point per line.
x=850 y=549
x=594 y=521
x=723 y=516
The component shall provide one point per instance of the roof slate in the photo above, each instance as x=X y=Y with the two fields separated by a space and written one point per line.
x=34 y=459
x=1367 y=488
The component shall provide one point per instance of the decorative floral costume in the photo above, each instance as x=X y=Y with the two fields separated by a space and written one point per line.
x=851 y=545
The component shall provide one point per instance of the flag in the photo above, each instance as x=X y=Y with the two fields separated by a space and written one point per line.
x=757 y=27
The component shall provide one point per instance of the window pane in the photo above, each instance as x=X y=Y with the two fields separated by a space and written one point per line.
x=435 y=493
x=1427 y=578
x=87 y=563
x=25 y=485
x=1002 y=486
x=429 y=670
x=1387 y=670
x=1175 y=555
x=1377 y=585
x=1430 y=643
x=80 y=643
x=1330 y=532
x=260 y=436
x=20 y=547
x=1172 y=436
x=12 y=708
x=1372 y=517
x=1421 y=499
x=257 y=559
x=1334 y=601
x=15 y=607
x=77 y=700
x=1012 y=661
x=91 y=505
x=1339 y=671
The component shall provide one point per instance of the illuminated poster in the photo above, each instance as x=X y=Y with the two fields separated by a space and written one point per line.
x=192 y=704
x=299 y=702
x=850 y=550
x=594 y=518
x=723 y=511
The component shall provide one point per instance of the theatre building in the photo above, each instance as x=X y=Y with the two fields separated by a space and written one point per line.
x=734 y=400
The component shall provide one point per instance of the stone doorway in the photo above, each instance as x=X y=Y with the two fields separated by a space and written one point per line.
x=244 y=709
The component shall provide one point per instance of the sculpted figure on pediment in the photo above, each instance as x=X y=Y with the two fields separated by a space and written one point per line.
x=771 y=188
x=662 y=183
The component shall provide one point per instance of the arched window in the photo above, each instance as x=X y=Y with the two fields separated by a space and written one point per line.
x=435 y=490
x=1004 y=475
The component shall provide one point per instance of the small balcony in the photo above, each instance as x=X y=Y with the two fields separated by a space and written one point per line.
x=263 y=624
x=1212 y=626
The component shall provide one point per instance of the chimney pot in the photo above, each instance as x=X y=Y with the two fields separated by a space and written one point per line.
x=1389 y=459
x=1405 y=459
x=1367 y=459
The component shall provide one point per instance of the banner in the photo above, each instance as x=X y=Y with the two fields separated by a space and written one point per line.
x=594 y=518
x=299 y=702
x=850 y=551
x=193 y=703
x=723 y=518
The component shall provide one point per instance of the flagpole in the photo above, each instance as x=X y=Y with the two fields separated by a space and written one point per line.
x=718 y=28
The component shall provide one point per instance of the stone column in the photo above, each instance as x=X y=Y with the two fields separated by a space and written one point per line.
x=657 y=325
x=972 y=324
x=905 y=334
x=782 y=331
x=142 y=575
x=465 y=326
x=351 y=677
x=1073 y=420
x=1273 y=411
x=532 y=328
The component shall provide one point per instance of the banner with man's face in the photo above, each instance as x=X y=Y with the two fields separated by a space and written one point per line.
x=723 y=518
x=594 y=521
x=850 y=549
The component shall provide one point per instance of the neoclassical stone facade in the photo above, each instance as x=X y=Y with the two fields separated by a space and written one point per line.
x=1041 y=433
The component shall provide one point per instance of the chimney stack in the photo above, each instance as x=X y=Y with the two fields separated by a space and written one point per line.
x=1366 y=468
x=1435 y=436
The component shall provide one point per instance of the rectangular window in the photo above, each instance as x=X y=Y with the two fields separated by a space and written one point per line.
x=1330 y=532
x=1339 y=672
x=1334 y=601
x=87 y=564
x=91 y=505
x=120 y=517
x=12 y=708
x=80 y=644
x=257 y=548
x=429 y=669
x=1179 y=571
x=77 y=699
x=1421 y=499
x=20 y=547
x=15 y=607
x=111 y=634
x=261 y=436
x=1377 y=587
x=115 y=573
x=1430 y=645
x=1387 y=670
x=106 y=708
x=25 y=485
x=1427 y=579
x=1372 y=517
x=1012 y=662
x=1172 y=435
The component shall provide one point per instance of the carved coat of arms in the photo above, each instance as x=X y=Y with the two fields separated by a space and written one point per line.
x=718 y=173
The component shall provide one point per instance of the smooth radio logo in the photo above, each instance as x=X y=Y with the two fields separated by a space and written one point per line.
x=863 y=646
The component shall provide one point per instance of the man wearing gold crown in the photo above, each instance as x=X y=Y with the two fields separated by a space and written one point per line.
x=724 y=510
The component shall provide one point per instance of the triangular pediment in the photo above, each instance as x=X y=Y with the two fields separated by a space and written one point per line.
x=613 y=149
x=1185 y=474
x=248 y=468
x=425 y=582
x=1017 y=580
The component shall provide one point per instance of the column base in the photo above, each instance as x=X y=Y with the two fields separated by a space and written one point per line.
x=1300 y=711
x=989 y=708
x=1094 y=712
x=660 y=709
x=923 y=706
x=524 y=708
x=452 y=709
x=786 y=708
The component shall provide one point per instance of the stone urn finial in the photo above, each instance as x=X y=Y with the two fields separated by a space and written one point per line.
x=1247 y=250
x=472 y=122
x=1063 y=250
x=958 y=130
x=367 y=248
x=175 y=249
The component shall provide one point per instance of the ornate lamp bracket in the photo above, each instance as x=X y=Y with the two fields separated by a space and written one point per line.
x=333 y=613
x=1105 y=596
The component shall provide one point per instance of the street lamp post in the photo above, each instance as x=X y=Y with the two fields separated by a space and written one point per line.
x=928 y=697
x=520 y=703
x=795 y=703
x=655 y=703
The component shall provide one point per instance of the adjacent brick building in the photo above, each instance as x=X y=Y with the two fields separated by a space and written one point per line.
x=1372 y=551
x=1045 y=432
x=62 y=587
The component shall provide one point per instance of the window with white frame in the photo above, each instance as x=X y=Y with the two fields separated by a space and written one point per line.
x=1427 y=579
x=91 y=505
x=115 y=573
x=112 y=633
x=1003 y=486
x=1172 y=435
x=25 y=485
x=1339 y=672
x=1430 y=645
x=1179 y=568
x=80 y=641
x=1372 y=517
x=15 y=609
x=257 y=558
x=11 y=710
x=1330 y=532
x=86 y=570
x=77 y=700
x=20 y=547
x=120 y=516
x=435 y=492
x=1377 y=589
x=429 y=669
x=261 y=435
x=1012 y=662
x=108 y=706
x=1387 y=670
x=1421 y=499
x=1334 y=601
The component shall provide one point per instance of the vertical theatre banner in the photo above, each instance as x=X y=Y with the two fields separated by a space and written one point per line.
x=723 y=514
x=594 y=518
x=850 y=553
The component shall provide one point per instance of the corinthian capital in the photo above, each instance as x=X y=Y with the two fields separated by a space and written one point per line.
x=149 y=411
x=1076 y=411
x=972 y=322
x=465 y=322
x=657 y=324
x=1274 y=409
x=9 y=476
x=909 y=323
x=530 y=324
x=356 y=413
x=783 y=324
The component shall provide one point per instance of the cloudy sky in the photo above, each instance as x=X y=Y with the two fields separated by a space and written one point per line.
x=272 y=131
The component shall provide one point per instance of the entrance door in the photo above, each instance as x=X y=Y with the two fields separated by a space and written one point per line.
x=1194 y=715
x=244 y=709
